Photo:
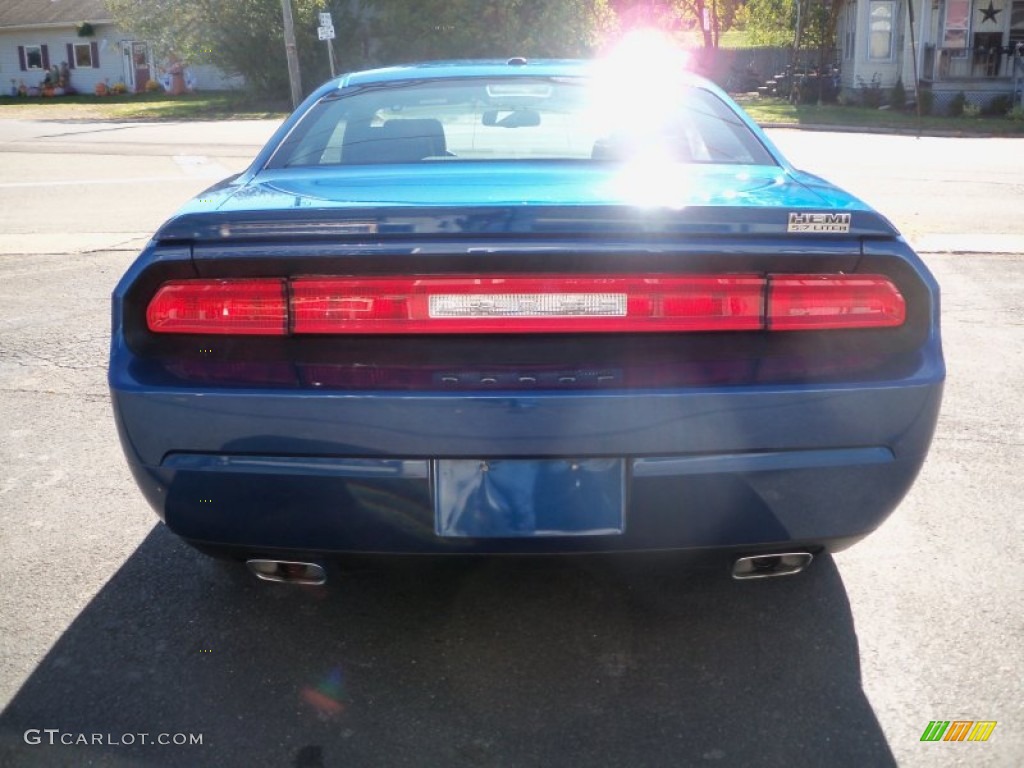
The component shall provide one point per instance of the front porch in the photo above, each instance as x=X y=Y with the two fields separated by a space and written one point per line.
x=982 y=73
x=974 y=47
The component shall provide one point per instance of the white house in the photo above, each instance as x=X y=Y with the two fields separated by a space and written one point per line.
x=36 y=35
x=970 y=46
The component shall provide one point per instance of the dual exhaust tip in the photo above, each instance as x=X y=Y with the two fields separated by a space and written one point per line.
x=750 y=567
x=766 y=566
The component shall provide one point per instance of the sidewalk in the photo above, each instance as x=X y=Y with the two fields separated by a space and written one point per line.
x=221 y=138
x=968 y=243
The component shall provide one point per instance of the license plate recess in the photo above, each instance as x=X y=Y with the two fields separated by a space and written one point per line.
x=502 y=498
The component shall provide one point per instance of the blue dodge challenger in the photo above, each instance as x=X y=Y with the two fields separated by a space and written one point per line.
x=524 y=307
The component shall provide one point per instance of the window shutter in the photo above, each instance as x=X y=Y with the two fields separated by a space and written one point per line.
x=21 y=58
x=71 y=56
x=46 y=56
x=95 y=51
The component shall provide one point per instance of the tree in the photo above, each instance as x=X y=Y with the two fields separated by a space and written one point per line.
x=240 y=37
x=774 y=23
x=684 y=19
x=406 y=30
x=245 y=37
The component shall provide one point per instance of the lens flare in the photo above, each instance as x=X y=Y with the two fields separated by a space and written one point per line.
x=328 y=697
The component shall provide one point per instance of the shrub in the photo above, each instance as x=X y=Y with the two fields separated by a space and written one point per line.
x=957 y=104
x=998 y=106
x=927 y=100
x=898 y=95
x=871 y=93
x=971 y=110
x=152 y=86
x=1016 y=114
x=118 y=88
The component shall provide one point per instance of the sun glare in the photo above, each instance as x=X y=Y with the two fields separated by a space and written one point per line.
x=636 y=101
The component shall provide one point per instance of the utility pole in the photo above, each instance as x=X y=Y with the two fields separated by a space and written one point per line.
x=294 y=78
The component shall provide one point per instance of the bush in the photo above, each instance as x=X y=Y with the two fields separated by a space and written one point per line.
x=898 y=96
x=871 y=93
x=998 y=106
x=971 y=110
x=957 y=104
x=1016 y=114
x=926 y=99
x=152 y=86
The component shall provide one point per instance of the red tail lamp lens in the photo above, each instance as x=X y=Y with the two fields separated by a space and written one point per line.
x=255 y=307
x=819 y=302
x=525 y=304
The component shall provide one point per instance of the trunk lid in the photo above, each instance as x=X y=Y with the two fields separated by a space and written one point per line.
x=523 y=198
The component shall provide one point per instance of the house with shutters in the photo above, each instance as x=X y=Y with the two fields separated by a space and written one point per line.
x=974 y=47
x=37 y=35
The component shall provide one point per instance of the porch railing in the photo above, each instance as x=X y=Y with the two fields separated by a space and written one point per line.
x=974 y=63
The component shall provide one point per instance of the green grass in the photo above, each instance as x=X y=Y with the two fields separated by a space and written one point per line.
x=780 y=112
x=735 y=38
x=235 y=105
x=205 y=105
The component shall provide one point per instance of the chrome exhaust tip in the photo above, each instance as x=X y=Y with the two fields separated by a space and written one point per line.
x=766 y=566
x=288 y=571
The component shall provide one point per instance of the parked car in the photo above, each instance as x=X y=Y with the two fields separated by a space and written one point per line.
x=524 y=307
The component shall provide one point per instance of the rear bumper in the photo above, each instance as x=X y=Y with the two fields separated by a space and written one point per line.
x=330 y=473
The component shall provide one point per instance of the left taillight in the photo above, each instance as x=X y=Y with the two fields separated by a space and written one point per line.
x=246 y=307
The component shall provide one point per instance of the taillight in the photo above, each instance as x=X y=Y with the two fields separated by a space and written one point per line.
x=258 y=307
x=815 y=302
x=534 y=304
x=525 y=304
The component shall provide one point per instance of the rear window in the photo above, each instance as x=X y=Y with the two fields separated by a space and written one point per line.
x=444 y=121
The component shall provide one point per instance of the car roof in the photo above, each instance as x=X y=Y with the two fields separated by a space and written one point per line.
x=491 y=68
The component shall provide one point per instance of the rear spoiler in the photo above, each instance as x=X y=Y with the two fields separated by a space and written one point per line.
x=580 y=221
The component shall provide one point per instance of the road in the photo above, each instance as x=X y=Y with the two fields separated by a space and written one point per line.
x=113 y=627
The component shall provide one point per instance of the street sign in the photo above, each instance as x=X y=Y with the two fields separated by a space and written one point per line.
x=326 y=33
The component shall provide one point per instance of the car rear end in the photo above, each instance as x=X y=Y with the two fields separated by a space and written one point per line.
x=387 y=360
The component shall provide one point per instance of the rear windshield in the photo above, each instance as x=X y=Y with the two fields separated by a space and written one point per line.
x=445 y=121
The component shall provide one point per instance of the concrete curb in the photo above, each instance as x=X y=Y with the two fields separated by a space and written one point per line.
x=889 y=131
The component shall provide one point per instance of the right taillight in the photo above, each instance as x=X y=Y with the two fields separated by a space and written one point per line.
x=820 y=302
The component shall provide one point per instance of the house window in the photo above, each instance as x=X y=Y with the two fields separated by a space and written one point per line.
x=958 y=19
x=882 y=15
x=83 y=55
x=1017 y=22
x=33 y=57
x=850 y=32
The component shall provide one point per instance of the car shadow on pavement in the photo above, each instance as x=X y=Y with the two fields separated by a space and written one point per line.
x=478 y=662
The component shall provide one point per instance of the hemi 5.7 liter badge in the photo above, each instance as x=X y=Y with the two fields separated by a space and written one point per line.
x=819 y=222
